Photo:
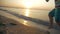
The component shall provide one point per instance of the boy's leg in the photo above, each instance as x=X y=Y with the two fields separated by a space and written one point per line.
x=51 y=21
x=51 y=15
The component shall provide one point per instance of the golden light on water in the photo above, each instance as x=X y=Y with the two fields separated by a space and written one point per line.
x=26 y=14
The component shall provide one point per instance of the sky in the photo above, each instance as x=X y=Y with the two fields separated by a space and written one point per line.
x=38 y=4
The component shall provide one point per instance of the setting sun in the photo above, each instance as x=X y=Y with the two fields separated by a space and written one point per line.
x=27 y=3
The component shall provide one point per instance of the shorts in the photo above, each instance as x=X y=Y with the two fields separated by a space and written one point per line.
x=57 y=15
x=52 y=13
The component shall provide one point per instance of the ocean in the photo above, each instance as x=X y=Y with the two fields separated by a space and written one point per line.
x=26 y=16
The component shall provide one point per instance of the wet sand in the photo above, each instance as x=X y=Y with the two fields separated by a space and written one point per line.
x=18 y=28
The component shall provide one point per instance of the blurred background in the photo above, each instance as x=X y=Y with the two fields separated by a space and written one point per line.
x=31 y=13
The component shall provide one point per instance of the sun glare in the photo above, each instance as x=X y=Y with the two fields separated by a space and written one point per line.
x=30 y=3
x=27 y=3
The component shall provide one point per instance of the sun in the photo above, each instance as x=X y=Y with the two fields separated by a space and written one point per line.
x=27 y=3
x=32 y=3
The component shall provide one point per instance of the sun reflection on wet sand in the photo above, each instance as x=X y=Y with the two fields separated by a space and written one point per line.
x=25 y=23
